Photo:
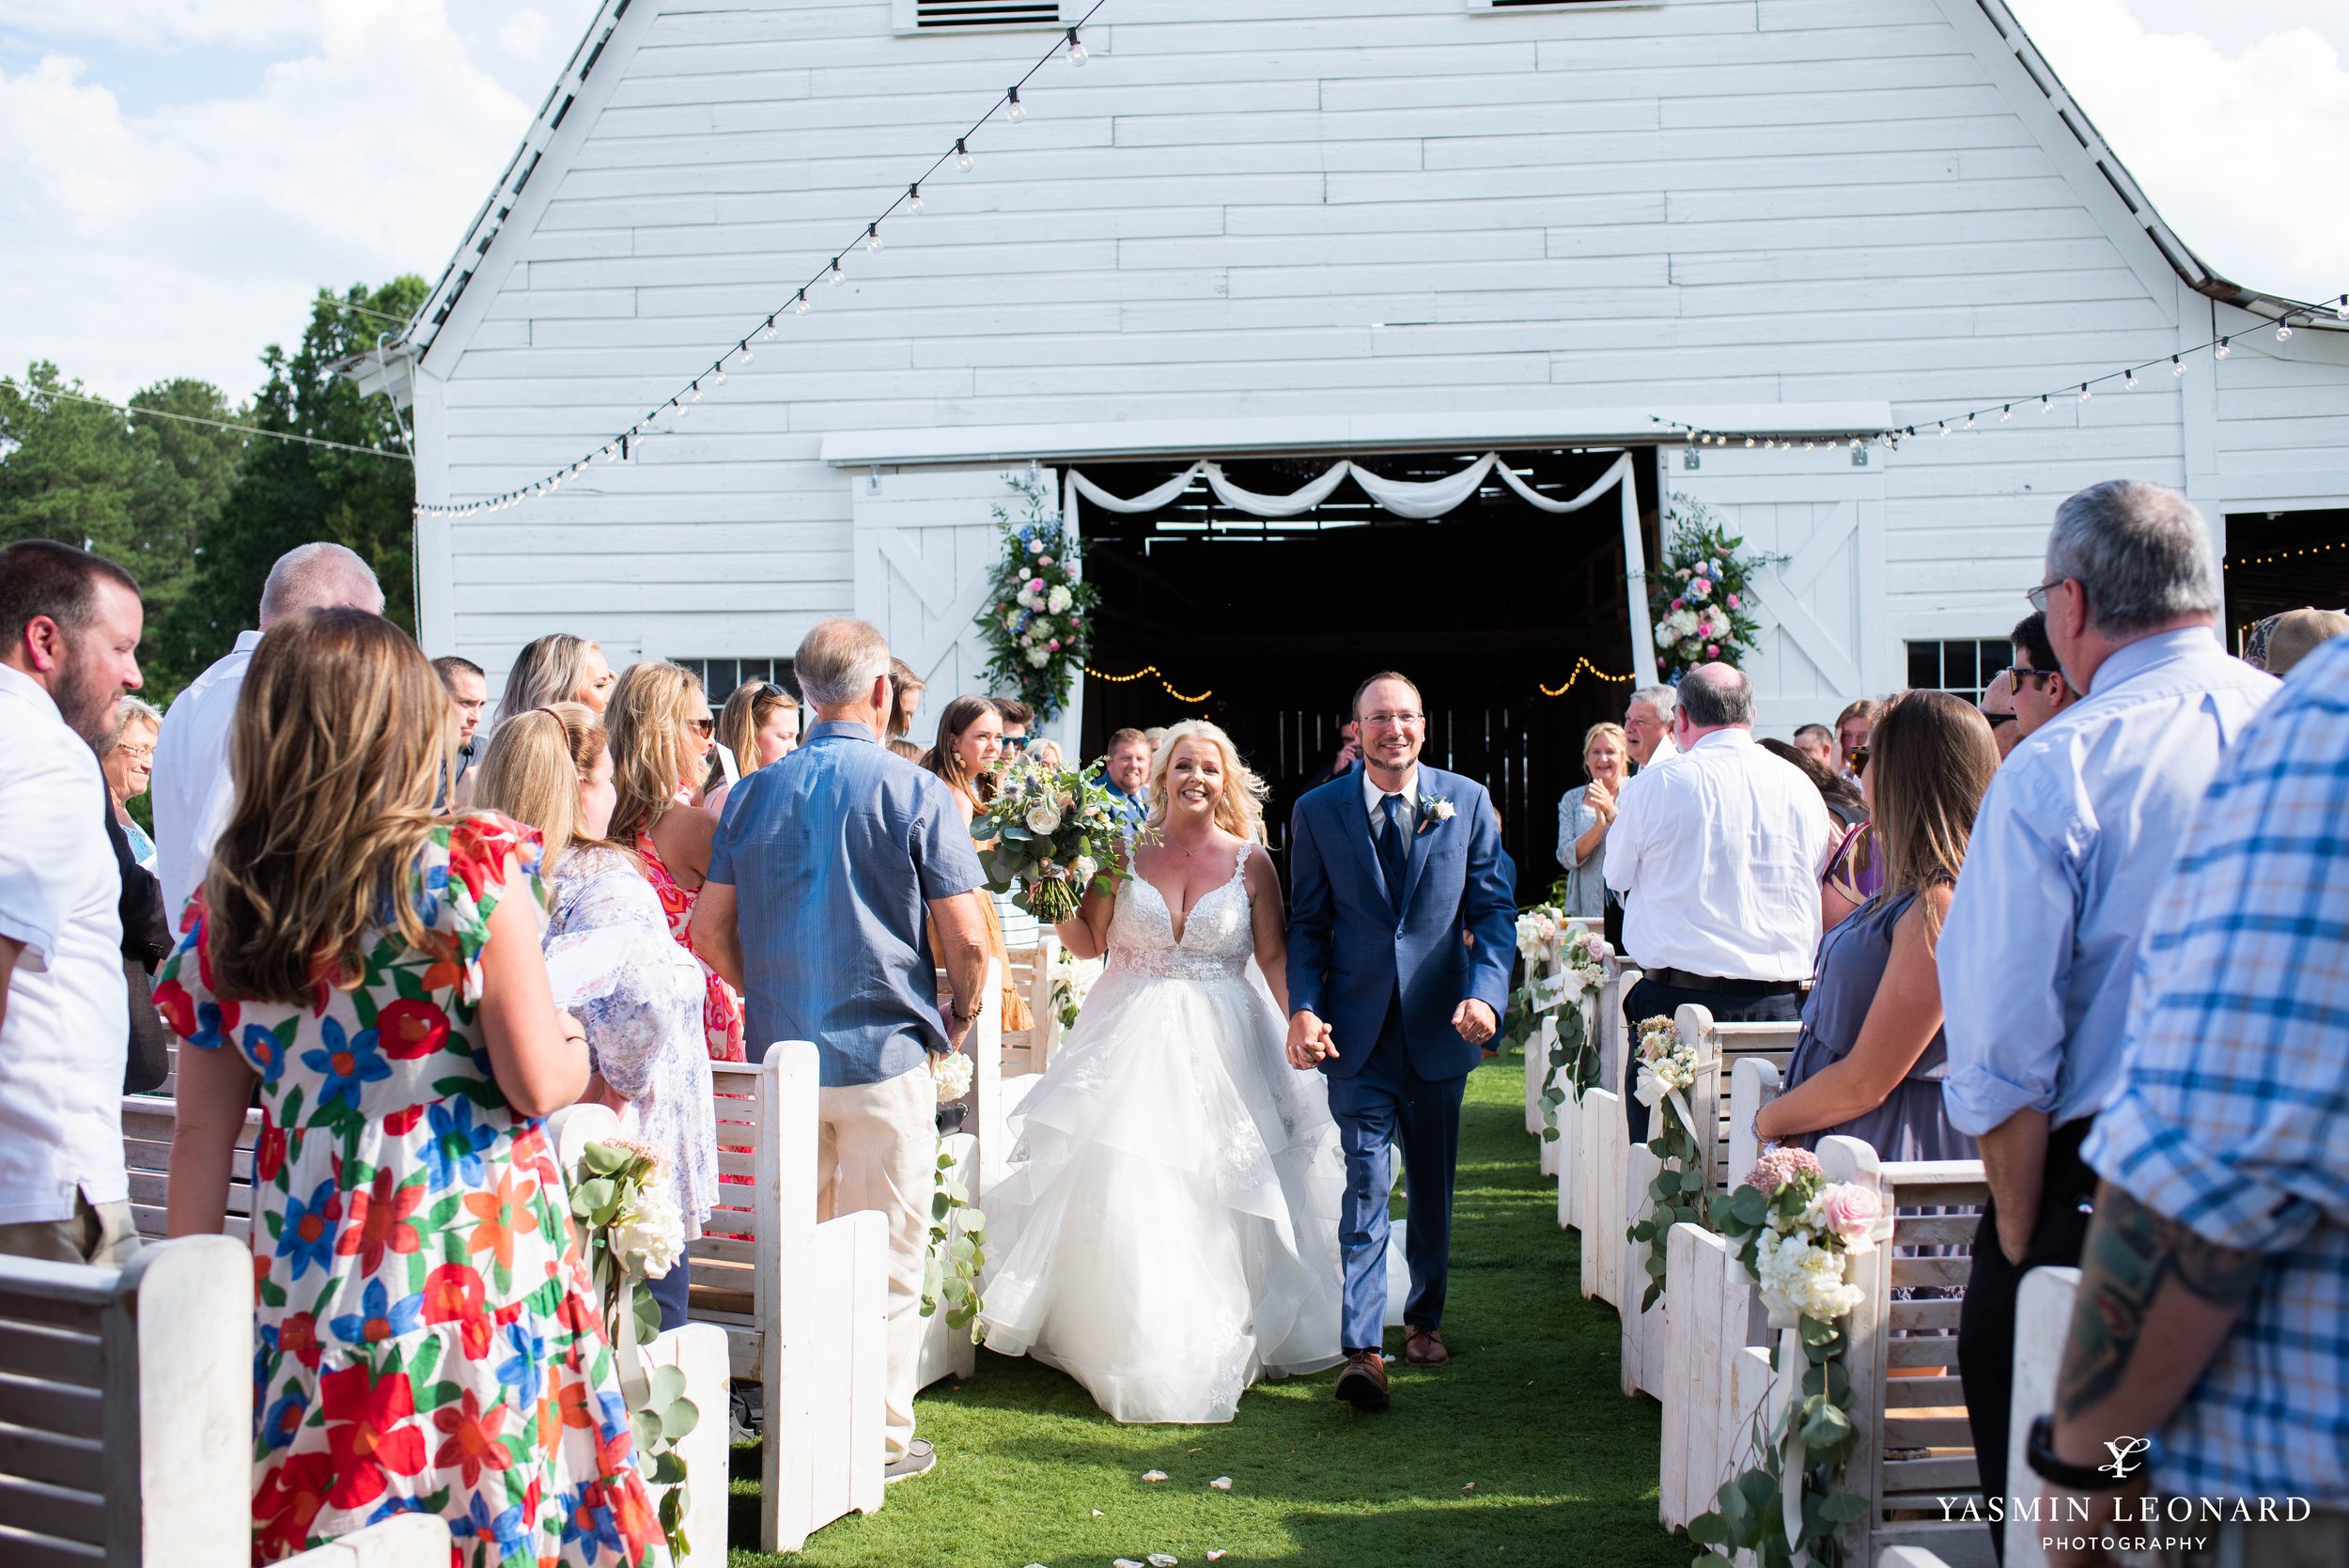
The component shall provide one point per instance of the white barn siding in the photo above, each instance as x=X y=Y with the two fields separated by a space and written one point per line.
x=1285 y=208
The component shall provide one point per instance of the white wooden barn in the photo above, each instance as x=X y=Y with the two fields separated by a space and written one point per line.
x=1277 y=233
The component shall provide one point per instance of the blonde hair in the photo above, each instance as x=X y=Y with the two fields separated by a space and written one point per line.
x=133 y=712
x=338 y=750
x=550 y=670
x=650 y=762
x=534 y=768
x=1240 y=811
x=1605 y=727
x=1930 y=758
x=746 y=713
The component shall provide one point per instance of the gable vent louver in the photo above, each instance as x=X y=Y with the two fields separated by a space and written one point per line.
x=986 y=13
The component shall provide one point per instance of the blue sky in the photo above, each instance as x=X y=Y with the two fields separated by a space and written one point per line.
x=178 y=175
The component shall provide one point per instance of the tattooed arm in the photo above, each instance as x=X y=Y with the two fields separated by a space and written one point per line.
x=2156 y=1303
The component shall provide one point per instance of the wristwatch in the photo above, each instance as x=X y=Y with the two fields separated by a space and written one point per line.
x=2039 y=1453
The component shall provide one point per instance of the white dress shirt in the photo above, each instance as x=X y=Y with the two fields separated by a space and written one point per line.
x=2073 y=841
x=191 y=790
x=1405 y=815
x=1719 y=856
x=1665 y=752
x=68 y=1026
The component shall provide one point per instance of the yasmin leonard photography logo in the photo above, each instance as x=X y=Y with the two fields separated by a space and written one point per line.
x=2124 y=1451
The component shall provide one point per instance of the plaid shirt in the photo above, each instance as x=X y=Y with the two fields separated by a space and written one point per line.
x=2234 y=1113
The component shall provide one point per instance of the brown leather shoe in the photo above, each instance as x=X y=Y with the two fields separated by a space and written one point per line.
x=1423 y=1348
x=1363 y=1383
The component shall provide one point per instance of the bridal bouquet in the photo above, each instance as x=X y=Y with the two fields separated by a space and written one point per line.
x=1053 y=832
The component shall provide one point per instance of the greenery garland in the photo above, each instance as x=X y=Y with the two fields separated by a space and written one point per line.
x=1701 y=601
x=956 y=1255
x=1038 y=619
x=1667 y=1067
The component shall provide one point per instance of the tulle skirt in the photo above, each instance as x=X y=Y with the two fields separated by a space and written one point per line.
x=1168 y=1230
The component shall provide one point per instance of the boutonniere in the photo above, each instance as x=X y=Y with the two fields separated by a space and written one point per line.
x=1432 y=810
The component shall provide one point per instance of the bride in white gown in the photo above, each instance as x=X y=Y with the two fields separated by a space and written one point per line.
x=1168 y=1230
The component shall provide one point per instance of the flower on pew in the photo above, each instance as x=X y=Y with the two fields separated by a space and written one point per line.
x=953 y=1071
x=1800 y=1279
x=1667 y=1062
x=1851 y=1212
x=650 y=1236
x=1780 y=1165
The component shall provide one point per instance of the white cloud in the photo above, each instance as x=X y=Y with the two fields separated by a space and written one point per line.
x=524 y=32
x=244 y=23
x=206 y=224
x=2231 y=137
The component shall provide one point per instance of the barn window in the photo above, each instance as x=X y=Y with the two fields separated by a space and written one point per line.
x=1964 y=667
x=720 y=677
x=926 y=16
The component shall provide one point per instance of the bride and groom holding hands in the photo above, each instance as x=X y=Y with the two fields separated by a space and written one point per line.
x=1199 y=1193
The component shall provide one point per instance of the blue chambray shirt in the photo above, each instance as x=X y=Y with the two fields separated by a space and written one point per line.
x=834 y=853
x=2078 y=828
x=2232 y=1114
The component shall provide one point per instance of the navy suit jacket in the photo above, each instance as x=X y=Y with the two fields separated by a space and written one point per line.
x=1349 y=952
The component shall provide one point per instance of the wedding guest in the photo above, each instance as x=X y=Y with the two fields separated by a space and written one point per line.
x=1156 y=736
x=1818 y=742
x=1997 y=709
x=1348 y=752
x=193 y=794
x=1851 y=732
x=1719 y=856
x=1845 y=803
x=2074 y=838
x=468 y=691
x=2042 y=689
x=1647 y=726
x=1584 y=814
x=128 y=760
x=970 y=740
x=913 y=754
x=785 y=926
x=1871 y=1057
x=1018 y=718
x=557 y=668
x=1127 y=776
x=2215 y=1277
x=1046 y=753
x=404 y=1044
x=904 y=702
x=758 y=727
x=70 y=623
x=552 y=766
x=660 y=731
x=2292 y=636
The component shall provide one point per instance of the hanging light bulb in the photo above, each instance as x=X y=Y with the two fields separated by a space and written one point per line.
x=962 y=155
x=872 y=237
x=800 y=308
x=2006 y=411
x=769 y=333
x=2085 y=394
x=2044 y=403
x=1854 y=442
x=2283 y=330
x=2128 y=381
x=1970 y=422
x=718 y=373
x=836 y=277
x=743 y=348
x=2224 y=348
x=1749 y=443
x=2177 y=365
x=1944 y=428
x=913 y=196
x=1017 y=111
x=2341 y=308
x=697 y=390
x=1076 y=48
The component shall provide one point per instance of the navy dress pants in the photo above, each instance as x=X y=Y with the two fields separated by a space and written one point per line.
x=1386 y=1102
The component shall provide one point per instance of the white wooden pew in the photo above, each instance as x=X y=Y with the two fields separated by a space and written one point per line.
x=126 y=1419
x=2044 y=1302
x=1590 y=1182
x=1718 y=1048
x=147 y=1124
x=1714 y=1374
x=804 y=1306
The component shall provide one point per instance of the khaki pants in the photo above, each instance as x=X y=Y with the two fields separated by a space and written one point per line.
x=877 y=1148
x=102 y=1236
x=2320 y=1541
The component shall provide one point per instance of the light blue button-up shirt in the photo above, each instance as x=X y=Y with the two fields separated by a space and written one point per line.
x=834 y=853
x=2078 y=828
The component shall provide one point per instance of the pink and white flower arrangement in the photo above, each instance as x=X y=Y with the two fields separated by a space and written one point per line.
x=1796 y=1229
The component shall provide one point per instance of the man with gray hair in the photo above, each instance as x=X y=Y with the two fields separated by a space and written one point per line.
x=191 y=794
x=823 y=873
x=1719 y=857
x=2076 y=833
x=1647 y=726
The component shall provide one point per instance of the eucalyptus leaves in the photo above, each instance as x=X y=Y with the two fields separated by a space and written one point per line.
x=1565 y=965
x=957 y=1253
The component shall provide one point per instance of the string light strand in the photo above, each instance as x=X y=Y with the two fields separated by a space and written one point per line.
x=1582 y=667
x=2286 y=554
x=623 y=445
x=1144 y=673
x=33 y=392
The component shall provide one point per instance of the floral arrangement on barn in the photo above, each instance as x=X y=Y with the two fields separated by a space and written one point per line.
x=1038 y=616
x=1668 y=1068
x=1795 y=1232
x=1050 y=834
x=1702 y=600
x=1564 y=967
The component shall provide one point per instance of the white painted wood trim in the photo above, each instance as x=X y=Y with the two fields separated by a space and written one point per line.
x=992 y=443
x=2046 y=1299
x=193 y=1399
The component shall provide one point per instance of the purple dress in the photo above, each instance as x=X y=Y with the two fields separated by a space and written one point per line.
x=1910 y=1123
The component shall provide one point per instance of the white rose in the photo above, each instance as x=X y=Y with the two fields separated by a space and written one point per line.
x=1058 y=599
x=650 y=1238
x=953 y=1071
x=1083 y=870
x=1038 y=658
x=1044 y=818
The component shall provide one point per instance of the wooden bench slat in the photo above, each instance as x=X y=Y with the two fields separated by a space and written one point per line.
x=1913 y=1316
x=1931 y=1393
x=1921 y=1353
x=1936 y=1229
x=1935 y=1192
x=20 y=1550
x=1929 y=1476
x=1948 y=1273
x=34 y=1352
x=65 y=1407
x=1908 y=1429
x=53 y=1457
x=56 y=1511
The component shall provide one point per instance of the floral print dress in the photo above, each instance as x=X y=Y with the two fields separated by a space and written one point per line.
x=722 y=1010
x=425 y=1338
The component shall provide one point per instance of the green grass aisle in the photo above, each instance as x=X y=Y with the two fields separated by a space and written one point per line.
x=1522 y=1450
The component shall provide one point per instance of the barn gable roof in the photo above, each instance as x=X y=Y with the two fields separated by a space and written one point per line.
x=389 y=370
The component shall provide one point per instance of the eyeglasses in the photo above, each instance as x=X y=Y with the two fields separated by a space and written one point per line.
x=1858 y=759
x=703 y=727
x=137 y=753
x=1394 y=720
x=1997 y=719
x=2037 y=598
x=2017 y=675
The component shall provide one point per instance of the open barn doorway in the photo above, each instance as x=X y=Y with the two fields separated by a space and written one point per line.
x=1265 y=625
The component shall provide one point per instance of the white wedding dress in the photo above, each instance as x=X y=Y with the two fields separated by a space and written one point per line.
x=1168 y=1230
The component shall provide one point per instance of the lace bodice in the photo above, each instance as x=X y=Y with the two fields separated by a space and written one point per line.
x=1216 y=939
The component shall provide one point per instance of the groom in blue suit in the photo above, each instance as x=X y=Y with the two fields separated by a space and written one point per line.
x=1402 y=929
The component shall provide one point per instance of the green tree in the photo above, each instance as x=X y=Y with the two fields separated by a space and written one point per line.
x=288 y=492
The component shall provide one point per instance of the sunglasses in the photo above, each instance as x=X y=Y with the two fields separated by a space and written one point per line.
x=2017 y=675
x=1014 y=743
x=703 y=727
x=1997 y=719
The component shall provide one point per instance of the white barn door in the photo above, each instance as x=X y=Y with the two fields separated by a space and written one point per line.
x=1825 y=636
x=926 y=544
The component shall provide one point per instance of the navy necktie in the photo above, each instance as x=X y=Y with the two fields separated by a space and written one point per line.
x=1392 y=852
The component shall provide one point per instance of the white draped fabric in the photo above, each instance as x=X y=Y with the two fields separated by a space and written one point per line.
x=1430 y=498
